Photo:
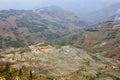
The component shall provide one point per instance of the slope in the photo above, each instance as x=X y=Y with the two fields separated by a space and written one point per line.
x=103 y=37
x=23 y=27
x=63 y=63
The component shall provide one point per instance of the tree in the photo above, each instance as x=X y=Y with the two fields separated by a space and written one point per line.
x=30 y=77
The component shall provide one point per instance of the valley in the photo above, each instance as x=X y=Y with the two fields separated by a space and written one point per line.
x=51 y=43
x=25 y=27
x=103 y=37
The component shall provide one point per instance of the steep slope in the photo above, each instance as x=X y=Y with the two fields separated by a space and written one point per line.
x=23 y=27
x=103 y=37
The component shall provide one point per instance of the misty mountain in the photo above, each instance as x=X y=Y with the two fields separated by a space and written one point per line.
x=105 y=14
x=23 y=27
x=52 y=43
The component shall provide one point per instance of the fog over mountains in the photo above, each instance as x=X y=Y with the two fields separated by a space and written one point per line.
x=60 y=40
x=111 y=12
x=86 y=9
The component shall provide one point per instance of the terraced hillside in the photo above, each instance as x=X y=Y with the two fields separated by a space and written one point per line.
x=62 y=63
x=53 y=44
x=103 y=37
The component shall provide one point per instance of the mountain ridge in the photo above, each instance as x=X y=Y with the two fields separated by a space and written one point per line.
x=23 y=27
x=104 y=14
x=103 y=37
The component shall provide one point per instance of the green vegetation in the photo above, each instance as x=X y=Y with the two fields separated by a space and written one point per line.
x=17 y=43
x=111 y=35
x=109 y=25
x=14 y=30
x=24 y=27
x=91 y=30
x=63 y=61
x=7 y=73
x=7 y=13
x=99 y=38
x=10 y=43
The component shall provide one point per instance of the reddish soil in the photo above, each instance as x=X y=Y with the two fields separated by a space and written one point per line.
x=114 y=53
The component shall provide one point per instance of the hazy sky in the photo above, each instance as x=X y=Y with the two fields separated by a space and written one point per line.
x=73 y=5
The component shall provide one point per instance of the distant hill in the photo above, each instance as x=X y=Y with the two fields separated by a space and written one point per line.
x=23 y=27
x=105 y=14
x=103 y=37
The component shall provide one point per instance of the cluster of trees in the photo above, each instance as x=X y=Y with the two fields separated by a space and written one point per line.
x=7 y=73
x=7 y=13
x=11 y=43
x=91 y=30
x=111 y=35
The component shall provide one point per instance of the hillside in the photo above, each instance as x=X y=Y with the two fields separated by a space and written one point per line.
x=53 y=44
x=92 y=54
x=103 y=37
x=24 y=27
x=58 y=63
